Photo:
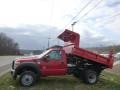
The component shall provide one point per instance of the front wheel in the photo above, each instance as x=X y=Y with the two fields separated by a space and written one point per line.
x=90 y=76
x=27 y=78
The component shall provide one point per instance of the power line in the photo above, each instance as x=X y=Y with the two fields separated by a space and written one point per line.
x=88 y=11
x=111 y=17
x=105 y=21
x=52 y=5
x=80 y=11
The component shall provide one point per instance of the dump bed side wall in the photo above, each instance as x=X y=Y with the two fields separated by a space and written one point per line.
x=89 y=55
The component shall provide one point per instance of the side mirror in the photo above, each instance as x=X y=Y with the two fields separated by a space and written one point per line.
x=46 y=57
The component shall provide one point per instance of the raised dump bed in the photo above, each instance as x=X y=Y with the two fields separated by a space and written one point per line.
x=71 y=46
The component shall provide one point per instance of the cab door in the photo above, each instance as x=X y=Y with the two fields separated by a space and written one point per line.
x=55 y=63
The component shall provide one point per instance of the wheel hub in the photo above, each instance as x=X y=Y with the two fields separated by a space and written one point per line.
x=92 y=78
x=27 y=79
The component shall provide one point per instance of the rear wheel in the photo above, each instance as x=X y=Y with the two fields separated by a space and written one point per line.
x=90 y=76
x=27 y=78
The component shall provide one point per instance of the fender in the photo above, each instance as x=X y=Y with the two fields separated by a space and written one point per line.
x=27 y=66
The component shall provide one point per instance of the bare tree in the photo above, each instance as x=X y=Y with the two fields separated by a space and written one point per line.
x=8 y=46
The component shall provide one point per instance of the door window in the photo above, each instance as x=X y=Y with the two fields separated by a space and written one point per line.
x=56 y=54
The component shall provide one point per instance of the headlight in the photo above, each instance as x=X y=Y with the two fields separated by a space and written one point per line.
x=16 y=64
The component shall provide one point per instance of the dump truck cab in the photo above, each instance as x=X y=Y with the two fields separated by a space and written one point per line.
x=54 y=62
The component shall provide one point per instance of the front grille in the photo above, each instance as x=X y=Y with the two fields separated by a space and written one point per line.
x=13 y=64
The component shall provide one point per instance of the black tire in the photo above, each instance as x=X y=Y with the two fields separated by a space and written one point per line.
x=90 y=76
x=78 y=74
x=27 y=78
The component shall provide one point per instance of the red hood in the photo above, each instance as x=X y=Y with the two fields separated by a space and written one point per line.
x=29 y=58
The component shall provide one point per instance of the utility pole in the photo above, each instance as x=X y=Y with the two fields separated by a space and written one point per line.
x=73 y=25
x=49 y=41
x=58 y=41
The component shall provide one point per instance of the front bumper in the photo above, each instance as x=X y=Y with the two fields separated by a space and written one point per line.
x=13 y=70
x=13 y=73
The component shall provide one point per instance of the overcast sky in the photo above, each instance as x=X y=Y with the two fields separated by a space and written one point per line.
x=30 y=22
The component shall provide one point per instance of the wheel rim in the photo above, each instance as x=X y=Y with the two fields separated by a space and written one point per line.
x=27 y=80
x=92 y=78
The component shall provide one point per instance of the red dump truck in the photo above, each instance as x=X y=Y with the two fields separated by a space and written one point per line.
x=62 y=60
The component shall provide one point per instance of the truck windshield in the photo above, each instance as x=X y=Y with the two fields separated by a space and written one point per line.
x=44 y=53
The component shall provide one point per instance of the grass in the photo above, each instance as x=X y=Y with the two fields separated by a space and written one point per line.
x=107 y=81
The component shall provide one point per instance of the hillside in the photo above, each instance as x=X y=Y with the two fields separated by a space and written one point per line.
x=31 y=52
x=105 y=50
